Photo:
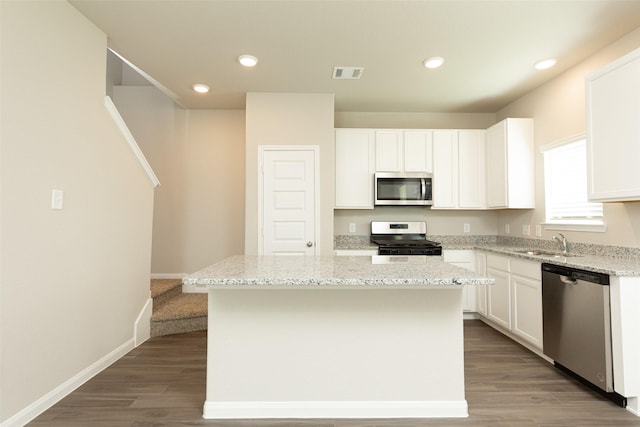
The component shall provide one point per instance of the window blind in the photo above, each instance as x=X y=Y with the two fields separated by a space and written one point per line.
x=566 y=185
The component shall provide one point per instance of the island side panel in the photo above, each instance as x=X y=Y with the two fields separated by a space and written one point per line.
x=335 y=353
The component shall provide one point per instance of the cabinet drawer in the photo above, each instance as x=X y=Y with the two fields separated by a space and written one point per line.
x=458 y=255
x=529 y=269
x=498 y=262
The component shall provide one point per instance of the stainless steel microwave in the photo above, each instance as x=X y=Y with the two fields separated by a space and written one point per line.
x=403 y=189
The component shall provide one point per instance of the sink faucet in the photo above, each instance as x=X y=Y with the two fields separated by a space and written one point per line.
x=563 y=242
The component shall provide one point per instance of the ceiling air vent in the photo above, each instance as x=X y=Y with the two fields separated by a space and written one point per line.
x=347 y=72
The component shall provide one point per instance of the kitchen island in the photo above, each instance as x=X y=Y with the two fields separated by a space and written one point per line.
x=335 y=337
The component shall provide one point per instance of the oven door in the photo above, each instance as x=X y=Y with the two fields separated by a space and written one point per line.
x=410 y=189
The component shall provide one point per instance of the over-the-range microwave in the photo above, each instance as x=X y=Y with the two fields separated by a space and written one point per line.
x=403 y=189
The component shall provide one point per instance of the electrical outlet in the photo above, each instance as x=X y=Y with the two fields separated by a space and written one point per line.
x=352 y=227
x=526 y=229
x=467 y=228
x=507 y=229
x=538 y=231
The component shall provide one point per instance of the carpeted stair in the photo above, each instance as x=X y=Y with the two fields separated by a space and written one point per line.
x=175 y=312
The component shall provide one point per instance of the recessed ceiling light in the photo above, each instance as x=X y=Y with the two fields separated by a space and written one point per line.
x=433 y=62
x=248 y=60
x=200 y=88
x=545 y=63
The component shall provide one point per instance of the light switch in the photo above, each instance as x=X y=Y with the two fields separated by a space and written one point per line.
x=57 y=199
x=507 y=229
x=538 y=231
x=467 y=228
x=352 y=227
x=526 y=229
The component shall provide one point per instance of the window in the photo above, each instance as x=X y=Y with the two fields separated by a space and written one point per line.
x=565 y=177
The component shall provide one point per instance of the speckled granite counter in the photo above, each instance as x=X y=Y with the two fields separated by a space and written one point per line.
x=334 y=271
x=612 y=260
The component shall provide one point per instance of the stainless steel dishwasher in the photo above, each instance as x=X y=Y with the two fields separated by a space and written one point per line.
x=577 y=325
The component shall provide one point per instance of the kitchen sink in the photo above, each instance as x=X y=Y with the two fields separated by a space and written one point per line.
x=540 y=252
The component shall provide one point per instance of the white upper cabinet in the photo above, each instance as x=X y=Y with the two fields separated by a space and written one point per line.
x=458 y=169
x=613 y=131
x=418 y=151
x=471 y=169
x=403 y=151
x=510 y=165
x=445 y=169
x=355 y=166
x=389 y=151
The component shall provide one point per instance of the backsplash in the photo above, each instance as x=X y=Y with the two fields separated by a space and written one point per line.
x=353 y=241
x=573 y=247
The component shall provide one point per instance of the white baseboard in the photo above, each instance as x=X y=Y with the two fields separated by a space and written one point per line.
x=336 y=409
x=47 y=401
x=142 y=325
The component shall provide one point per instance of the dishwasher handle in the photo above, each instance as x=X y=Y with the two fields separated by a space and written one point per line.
x=568 y=280
x=575 y=274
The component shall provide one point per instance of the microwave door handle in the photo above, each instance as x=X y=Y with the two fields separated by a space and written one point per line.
x=423 y=184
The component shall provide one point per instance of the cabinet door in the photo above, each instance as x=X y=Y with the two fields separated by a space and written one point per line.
x=481 y=290
x=418 y=151
x=499 y=298
x=510 y=164
x=496 y=147
x=355 y=160
x=613 y=131
x=467 y=260
x=471 y=177
x=445 y=169
x=389 y=148
x=527 y=309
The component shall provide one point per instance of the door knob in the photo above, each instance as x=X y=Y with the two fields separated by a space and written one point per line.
x=309 y=243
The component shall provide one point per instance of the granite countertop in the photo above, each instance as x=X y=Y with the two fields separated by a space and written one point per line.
x=334 y=272
x=613 y=266
x=611 y=260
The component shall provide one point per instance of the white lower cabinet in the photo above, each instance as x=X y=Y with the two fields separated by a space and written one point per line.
x=526 y=301
x=465 y=259
x=514 y=302
x=481 y=290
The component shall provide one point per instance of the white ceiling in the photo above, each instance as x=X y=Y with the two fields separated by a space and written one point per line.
x=489 y=46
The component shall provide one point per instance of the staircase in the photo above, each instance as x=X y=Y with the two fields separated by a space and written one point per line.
x=175 y=312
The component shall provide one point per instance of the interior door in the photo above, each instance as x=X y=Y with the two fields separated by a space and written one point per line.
x=289 y=202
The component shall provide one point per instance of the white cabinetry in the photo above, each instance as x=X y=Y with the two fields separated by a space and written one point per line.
x=458 y=169
x=355 y=163
x=403 y=151
x=613 y=130
x=510 y=164
x=526 y=286
x=418 y=151
x=499 y=294
x=515 y=301
x=389 y=151
x=465 y=259
x=481 y=290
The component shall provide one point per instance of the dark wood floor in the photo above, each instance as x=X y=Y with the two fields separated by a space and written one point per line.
x=162 y=383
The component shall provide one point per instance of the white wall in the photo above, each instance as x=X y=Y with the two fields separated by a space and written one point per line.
x=73 y=281
x=558 y=110
x=290 y=119
x=198 y=156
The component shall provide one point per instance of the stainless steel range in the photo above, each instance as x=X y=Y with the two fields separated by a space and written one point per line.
x=403 y=238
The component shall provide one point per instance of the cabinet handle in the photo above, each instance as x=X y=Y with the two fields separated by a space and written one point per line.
x=309 y=243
